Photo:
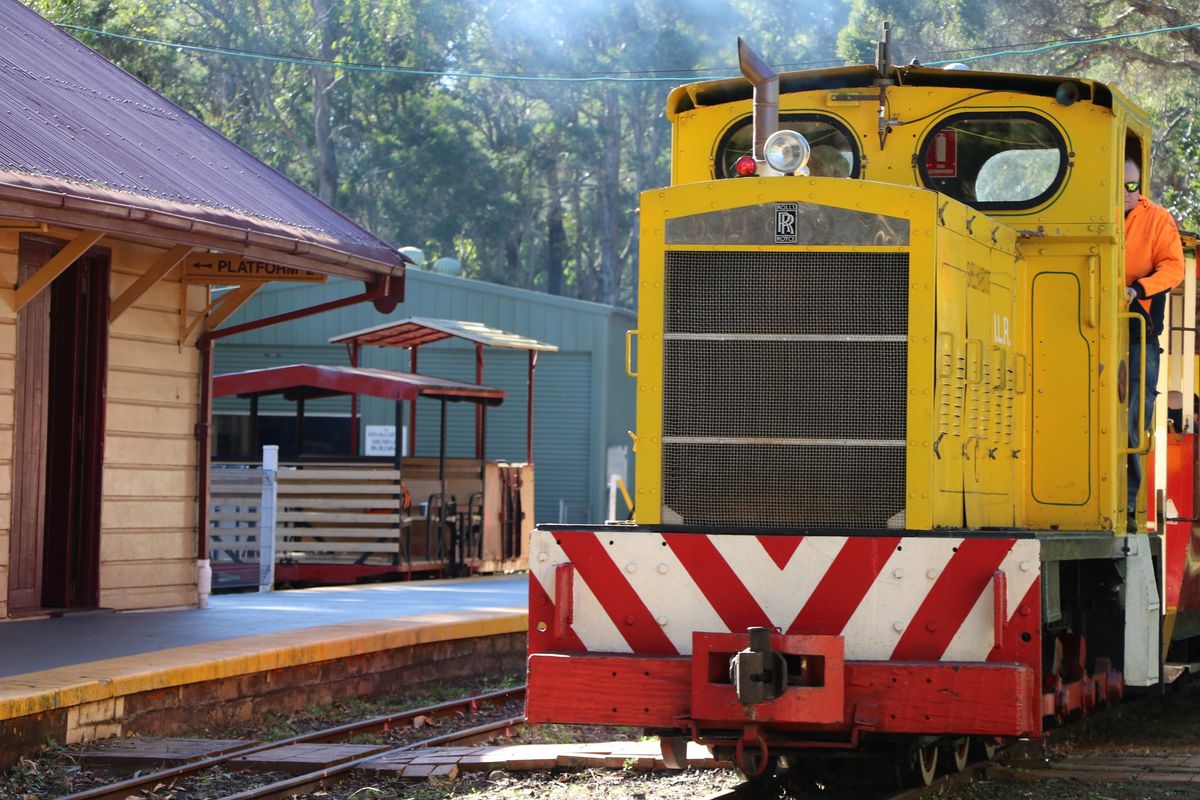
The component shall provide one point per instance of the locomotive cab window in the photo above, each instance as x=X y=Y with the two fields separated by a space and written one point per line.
x=995 y=160
x=834 y=154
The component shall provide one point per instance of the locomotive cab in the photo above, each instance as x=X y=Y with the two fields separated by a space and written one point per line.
x=882 y=421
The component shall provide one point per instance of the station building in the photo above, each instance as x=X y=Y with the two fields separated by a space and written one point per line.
x=118 y=212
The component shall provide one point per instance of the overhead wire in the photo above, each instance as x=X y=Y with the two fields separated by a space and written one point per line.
x=1066 y=43
x=641 y=76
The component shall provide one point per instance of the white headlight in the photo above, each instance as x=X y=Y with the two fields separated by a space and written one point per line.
x=786 y=151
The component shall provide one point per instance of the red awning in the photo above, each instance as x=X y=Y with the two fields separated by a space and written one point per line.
x=310 y=381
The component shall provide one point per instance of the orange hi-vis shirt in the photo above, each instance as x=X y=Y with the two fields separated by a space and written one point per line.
x=1153 y=251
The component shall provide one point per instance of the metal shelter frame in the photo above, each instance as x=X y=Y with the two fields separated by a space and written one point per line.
x=414 y=332
x=301 y=382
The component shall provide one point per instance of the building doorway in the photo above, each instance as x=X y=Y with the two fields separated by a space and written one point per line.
x=58 y=445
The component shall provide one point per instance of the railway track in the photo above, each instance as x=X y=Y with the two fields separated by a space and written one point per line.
x=1015 y=755
x=123 y=789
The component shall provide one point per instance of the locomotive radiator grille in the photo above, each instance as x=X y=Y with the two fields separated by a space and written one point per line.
x=784 y=388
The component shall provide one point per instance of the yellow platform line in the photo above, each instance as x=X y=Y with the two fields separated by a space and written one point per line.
x=63 y=687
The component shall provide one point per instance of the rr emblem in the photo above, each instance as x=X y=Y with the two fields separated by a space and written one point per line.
x=785 y=223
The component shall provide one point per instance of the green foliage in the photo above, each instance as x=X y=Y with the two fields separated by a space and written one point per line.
x=535 y=184
x=458 y=166
x=1157 y=72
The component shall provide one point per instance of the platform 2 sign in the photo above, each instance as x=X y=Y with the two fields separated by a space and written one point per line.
x=216 y=268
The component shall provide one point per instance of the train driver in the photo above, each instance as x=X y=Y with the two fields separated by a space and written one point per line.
x=1153 y=266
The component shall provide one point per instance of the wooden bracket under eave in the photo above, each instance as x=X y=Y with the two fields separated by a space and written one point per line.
x=218 y=310
x=146 y=281
x=56 y=266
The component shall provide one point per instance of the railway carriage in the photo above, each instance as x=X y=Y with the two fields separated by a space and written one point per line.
x=882 y=436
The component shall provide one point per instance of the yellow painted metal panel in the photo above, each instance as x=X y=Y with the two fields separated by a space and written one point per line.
x=1023 y=301
x=919 y=462
x=951 y=378
x=987 y=472
x=1062 y=422
x=654 y=211
x=901 y=203
x=1085 y=197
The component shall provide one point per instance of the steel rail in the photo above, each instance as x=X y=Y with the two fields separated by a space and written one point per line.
x=122 y=789
x=310 y=781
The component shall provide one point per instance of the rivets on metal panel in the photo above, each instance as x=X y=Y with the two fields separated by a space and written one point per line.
x=931 y=574
x=631 y=567
x=1024 y=611
x=1026 y=566
x=542 y=556
x=897 y=626
x=897 y=573
x=662 y=622
x=931 y=627
x=662 y=569
x=541 y=626
x=630 y=619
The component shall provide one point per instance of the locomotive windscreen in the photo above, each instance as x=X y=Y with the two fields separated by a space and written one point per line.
x=784 y=377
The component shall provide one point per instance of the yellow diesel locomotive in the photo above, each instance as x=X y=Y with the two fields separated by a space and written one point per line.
x=882 y=366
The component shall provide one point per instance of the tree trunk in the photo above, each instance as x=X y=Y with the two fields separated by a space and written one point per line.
x=607 y=194
x=556 y=235
x=325 y=155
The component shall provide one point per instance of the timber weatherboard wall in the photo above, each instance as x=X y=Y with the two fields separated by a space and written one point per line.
x=583 y=403
x=148 y=504
x=148 y=516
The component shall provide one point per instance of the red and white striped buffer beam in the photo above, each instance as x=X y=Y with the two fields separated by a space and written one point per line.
x=892 y=598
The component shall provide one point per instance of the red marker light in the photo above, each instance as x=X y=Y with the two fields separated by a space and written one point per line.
x=745 y=167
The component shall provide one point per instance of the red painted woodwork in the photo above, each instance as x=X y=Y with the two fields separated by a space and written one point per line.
x=564 y=578
x=75 y=433
x=29 y=438
x=62 y=368
x=646 y=691
x=999 y=607
x=343 y=573
x=311 y=381
x=880 y=696
x=821 y=700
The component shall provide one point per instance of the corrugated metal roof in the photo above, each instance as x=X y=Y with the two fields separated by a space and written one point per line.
x=417 y=331
x=297 y=381
x=80 y=135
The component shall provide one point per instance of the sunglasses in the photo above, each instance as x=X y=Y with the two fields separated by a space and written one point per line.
x=1133 y=186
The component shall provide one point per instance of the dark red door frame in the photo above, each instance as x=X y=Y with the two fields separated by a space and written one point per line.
x=75 y=433
x=385 y=292
x=72 y=387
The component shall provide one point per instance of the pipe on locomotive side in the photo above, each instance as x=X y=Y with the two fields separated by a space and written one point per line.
x=766 y=95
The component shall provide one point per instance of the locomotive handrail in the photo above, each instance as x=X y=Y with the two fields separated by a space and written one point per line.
x=1093 y=262
x=1144 y=441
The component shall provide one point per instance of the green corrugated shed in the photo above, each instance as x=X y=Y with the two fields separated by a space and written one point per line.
x=583 y=402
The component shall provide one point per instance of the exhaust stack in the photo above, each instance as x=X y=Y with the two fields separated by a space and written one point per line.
x=766 y=95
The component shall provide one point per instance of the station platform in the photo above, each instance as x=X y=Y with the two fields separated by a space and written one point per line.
x=99 y=674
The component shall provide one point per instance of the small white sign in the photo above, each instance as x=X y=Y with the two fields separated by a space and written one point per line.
x=380 y=440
